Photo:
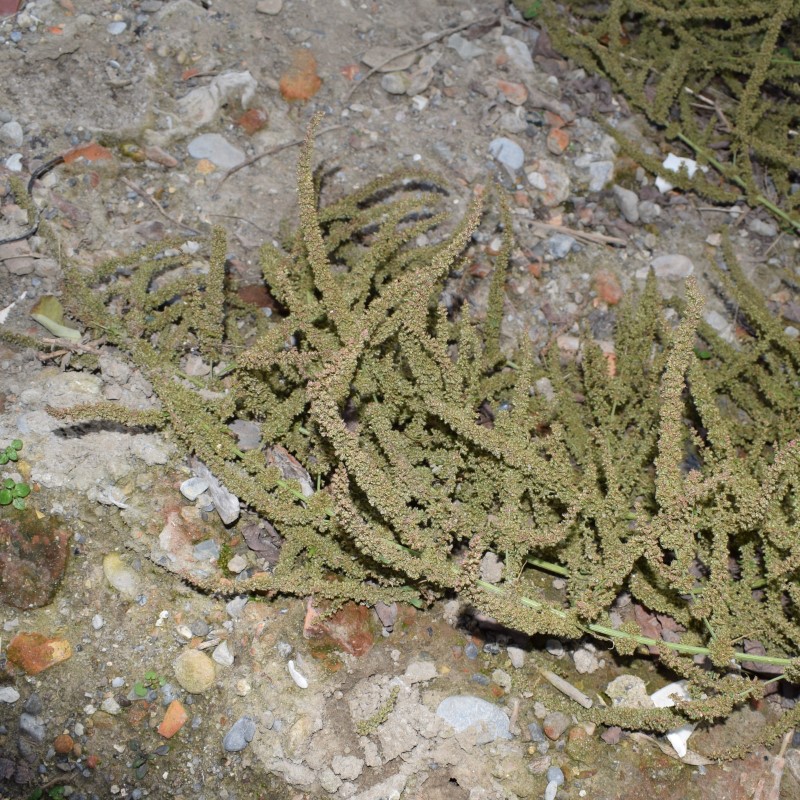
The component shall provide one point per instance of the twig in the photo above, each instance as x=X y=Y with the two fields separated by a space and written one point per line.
x=69 y=347
x=143 y=194
x=565 y=687
x=271 y=152
x=594 y=238
x=420 y=46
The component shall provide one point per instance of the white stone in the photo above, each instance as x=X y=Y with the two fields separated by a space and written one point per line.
x=8 y=694
x=662 y=698
x=297 y=676
x=222 y=655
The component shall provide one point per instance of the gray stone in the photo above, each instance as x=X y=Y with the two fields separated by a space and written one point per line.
x=600 y=173
x=192 y=488
x=491 y=568
x=508 y=153
x=240 y=735
x=464 y=711
x=761 y=228
x=33 y=727
x=418 y=671
x=559 y=245
x=271 y=7
x=551 y=790
x=217 y=149
x=33 y=705
x=347 y=767
x=554 y=724
x=627 y=202
x=116 y=28
x=464 y=47
x=649 y=211
x=556 y=775
x=672 y=266
x=235 y=607
x=8 y=694
x=11 y=133
x=517 y=656
x=518 y=53
x=585 y=661
x=395 y=82
x=222 y=654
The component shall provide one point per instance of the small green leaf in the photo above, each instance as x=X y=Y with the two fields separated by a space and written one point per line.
x=5 y=497
x=17 y=444
x=703 y=354
x=140 y=690
x=18 y=503
x=150 y=675
x=21 y=490
x=9 y=483
x=3 y=458
x=11 y=454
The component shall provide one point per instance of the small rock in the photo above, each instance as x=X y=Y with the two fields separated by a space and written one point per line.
x=714 y=239
x=395 y=82
x=464 y=711
x=222 y=655
x=388 y=59
x=544 y=388
x=627 y=202
x=761 y=228
x=502 y=679
x=240 y=735
x=243 y=687
x=508 y=153
x=271 y=7
x=612 y=735
x=248 y=433
x=33 y=705
x=237 y=564
x=207 y=550
x=347 y=767
x=174 y=719
x=551 y=182
x=217 y=149
x=554 y=724
x=585 y=661
x=556 y=775
x=466 y=49
x=194 y=671
x=629 y=691
x=11 y=134
x=557 y=141
x=34 y=652
x=199 y=627
x=600 y=173
x=607 y=286
x=98 y=622
x=110 y=706
x=124 y=579
x=329 y=780
x=471 y=651
x=649 y=211
x=418 y=671
x=63 y=744
x=517 y=656
x=234 y=607
x=8 y=694
x=116 y=28
x=551 y=790
x=297 y=676
x=33 y=727
x=559 y=245
x=491 y=568
x=536 y=733
x=192 y=488
x=518 y=53
x=672 y=266
x=514 y=93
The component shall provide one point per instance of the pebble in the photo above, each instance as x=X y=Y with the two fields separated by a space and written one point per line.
x=491 y=568
x=207 y=550
x=551 y=182
x=63 y=744
x=110 y=706
x=559 y=245
x=502 y=679
x=761 y=228
x=471 y=650
x=222 y=655
x=116 y=28
x=519 y=54
x=192 y=488
x=240 y=735
x=118 y=682
x=672 y=266
x=627 y=202
x=517 y=656
x=235 y=607
x=271 y=7
x=122 y=577
x=395 y=82
x=554 y=724
x=507 y=152
x=555 y=775
x=199 y=628
x=463 y=711
x=585 y=661
x=33 y=727
x=536 y=733
x=98 y=622
x=466 y=49
x=551 y=790
x=600 y=173
x=8 y=694
x=194 y=671
x=237 y=564
x=11 y=133
x=33 y=705
x=649 y=211
x=216 y=149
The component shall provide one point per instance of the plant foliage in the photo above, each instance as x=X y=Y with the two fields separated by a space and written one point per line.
x=674 y=480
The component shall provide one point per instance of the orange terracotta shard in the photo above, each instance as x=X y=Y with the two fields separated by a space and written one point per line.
x=174 y=719
x=300 y=81
x=91 y=152
x=34 y=652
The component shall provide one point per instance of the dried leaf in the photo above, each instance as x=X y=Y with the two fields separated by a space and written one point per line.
x=91 y=152
x=49 y=312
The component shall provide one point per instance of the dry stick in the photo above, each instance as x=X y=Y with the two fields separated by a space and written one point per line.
x=143 y=194
x=271 y=152
x=421 y=46
x=594 y=238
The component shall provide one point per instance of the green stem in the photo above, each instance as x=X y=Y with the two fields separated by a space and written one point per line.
x=735 y=179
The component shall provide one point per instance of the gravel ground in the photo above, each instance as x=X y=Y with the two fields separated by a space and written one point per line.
x=119 y=680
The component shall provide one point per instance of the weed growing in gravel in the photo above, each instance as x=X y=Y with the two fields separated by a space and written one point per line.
x=13 y=492
x=673 y=481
